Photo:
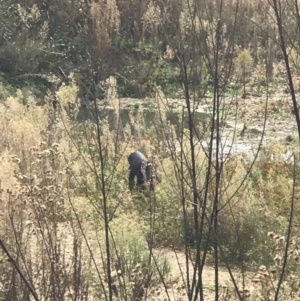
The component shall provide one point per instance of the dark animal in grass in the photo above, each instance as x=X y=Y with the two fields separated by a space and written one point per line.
x=141 y=170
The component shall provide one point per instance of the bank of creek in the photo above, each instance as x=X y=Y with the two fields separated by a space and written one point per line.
x=241 y=130
x=241 y=133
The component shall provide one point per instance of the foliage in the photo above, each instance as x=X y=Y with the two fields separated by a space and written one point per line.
x=268 y=276
x=67 y=216
x=131 y=42
x=243 y=64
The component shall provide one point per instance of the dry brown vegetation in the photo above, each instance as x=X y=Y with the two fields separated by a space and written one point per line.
x=67 y=218
x=142 y=44
x=52 y=217
x=51 y=208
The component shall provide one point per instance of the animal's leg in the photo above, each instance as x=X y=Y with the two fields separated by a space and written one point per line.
x=140 y=176
x=131 y=179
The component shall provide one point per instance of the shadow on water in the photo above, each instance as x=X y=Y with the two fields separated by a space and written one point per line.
x=144 y=117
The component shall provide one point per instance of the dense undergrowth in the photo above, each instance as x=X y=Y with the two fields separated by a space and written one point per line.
x=41 y=43
x=52 y=217
x=67 y=218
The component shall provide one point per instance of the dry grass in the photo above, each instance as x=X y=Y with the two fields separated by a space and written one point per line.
x=52 y=217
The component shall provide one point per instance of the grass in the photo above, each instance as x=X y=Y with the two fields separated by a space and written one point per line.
x=50 y=197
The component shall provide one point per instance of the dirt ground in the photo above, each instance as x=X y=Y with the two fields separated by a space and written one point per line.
x=174 y=281
x=178 y=267
x=251 y=113
x=280 y=114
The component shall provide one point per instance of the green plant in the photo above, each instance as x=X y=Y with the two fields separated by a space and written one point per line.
x=277 y=112
x=268 y=275
x=243 y=66
x=130 y=253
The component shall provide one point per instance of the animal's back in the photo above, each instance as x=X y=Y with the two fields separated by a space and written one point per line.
x=136 y=158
